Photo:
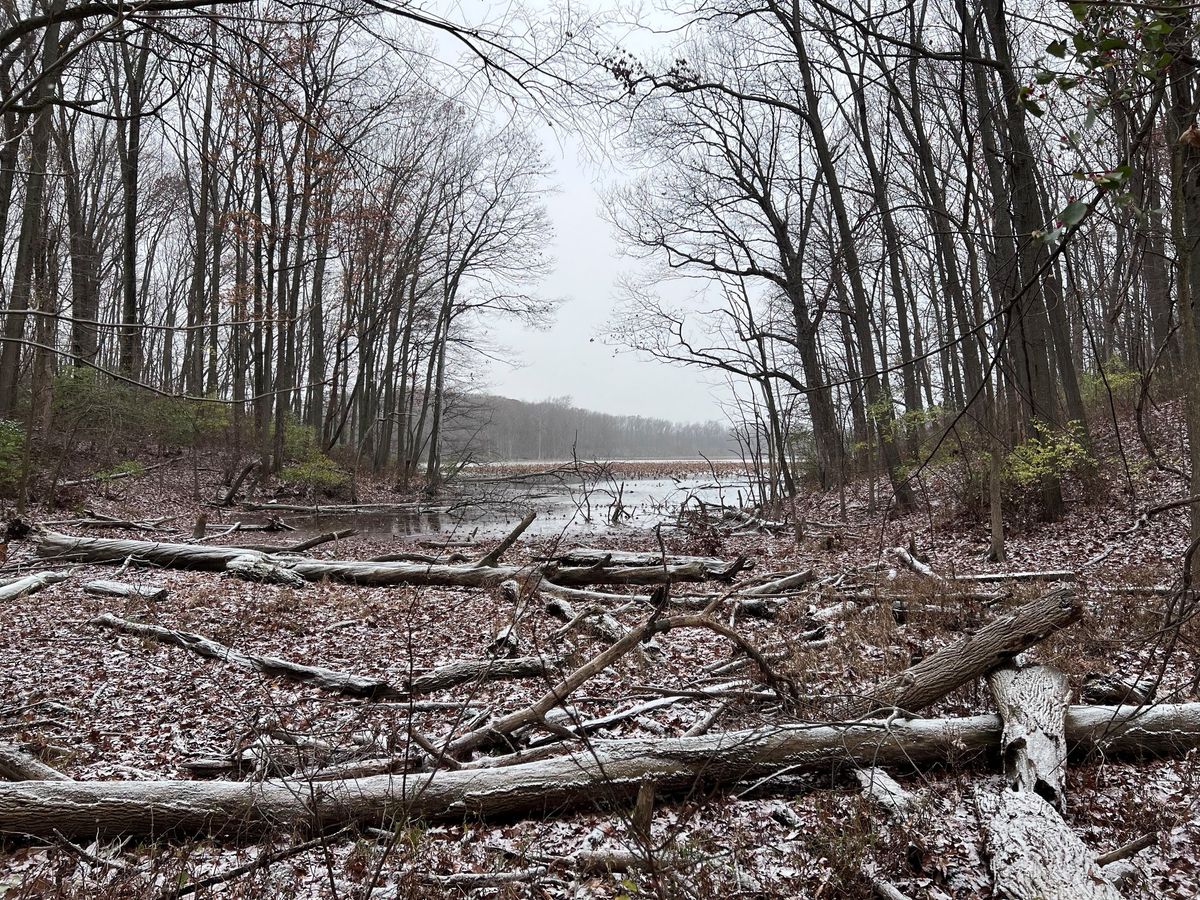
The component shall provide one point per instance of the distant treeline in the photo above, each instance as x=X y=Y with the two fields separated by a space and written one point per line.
x=493 y=428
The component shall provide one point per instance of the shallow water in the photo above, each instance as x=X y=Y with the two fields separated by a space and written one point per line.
x=492 y=510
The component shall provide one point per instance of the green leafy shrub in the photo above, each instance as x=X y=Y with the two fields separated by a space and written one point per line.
x=12 y=448
x=1124 y=383
x=318 y=472
x=1048 y=453
x=308 y=467
x=107 y=414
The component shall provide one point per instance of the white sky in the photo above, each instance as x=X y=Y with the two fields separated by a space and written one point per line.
x=571 y=358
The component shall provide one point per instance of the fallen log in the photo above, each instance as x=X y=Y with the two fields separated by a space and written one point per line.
x=608 y=772
x=121 y=589
x=193 y=556
x=1035 y=855
x=988 y=577
x=492 y=557
x=885 y=791
x=261 y=569
x=604 y=574
x=1033 y=702
x=132 y=473
x=588 y=556
x=1115 y=689
x=437 y=679
x=336 y=509
x=30 y=584
x=909 y=561
x=17 y=765
x=781 y=585
x=974 y=655
x=596 y=621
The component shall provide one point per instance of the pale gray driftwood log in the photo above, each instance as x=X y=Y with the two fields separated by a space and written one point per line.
x=780 y=585
x=885 y=791
x=124 y=590
x=441 y=678
x=1033 y=702
x=195 y=556
x=17 y=765
x=590 y=556
x=1035 y=855
x=30 y=584
x=607 y=772
x=253 y=567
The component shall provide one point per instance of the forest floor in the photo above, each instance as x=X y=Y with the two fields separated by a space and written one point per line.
x=99 y=706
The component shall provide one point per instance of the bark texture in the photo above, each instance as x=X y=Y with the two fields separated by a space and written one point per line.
x=610 y=772
x=976 y=654
x=1033 y=703
x=1035 y=855
x=440 y=678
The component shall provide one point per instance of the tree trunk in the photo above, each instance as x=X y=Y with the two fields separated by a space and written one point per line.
x=1035 y=855
x=1033 y=703
x=973 y=656
x=608 y=773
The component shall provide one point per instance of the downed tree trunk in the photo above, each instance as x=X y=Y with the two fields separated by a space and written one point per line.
x=103 y=588
x=599 y=574
x=492 y=557
x=780 y=585
x=30 y=584
x=885 y=791
x=988 y=577
x=1033 y=702
x=967 y=659
x=252 y=567
x=440 y=678
x=92 y=479
x=909 y=561
x=17 y=765
x=1035 y=855
x=342 y=508
x=194 y=556
x=1115 y=689
x=588 y=556
x=607 y=772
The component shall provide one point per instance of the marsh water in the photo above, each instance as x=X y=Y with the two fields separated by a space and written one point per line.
x=487 y=508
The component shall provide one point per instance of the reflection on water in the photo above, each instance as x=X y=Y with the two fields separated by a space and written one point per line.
x=492 y=510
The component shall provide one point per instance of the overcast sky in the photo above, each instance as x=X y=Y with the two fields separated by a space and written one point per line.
x=571 y=358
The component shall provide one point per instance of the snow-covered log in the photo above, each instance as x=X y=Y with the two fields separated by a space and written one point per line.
x=126 y=591
x=30 y=584
x=1035 y=855
x=253 y=567
x=1105 y=688
x=441 y=678
x=976 y=654
x=17 y=765
x=194 y=556
x=607 y=771
x=589 y=556
x=780 y=585
x=885 y=791
x=1033 y=702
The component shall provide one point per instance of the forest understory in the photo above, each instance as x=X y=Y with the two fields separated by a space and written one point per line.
x=100 y=704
